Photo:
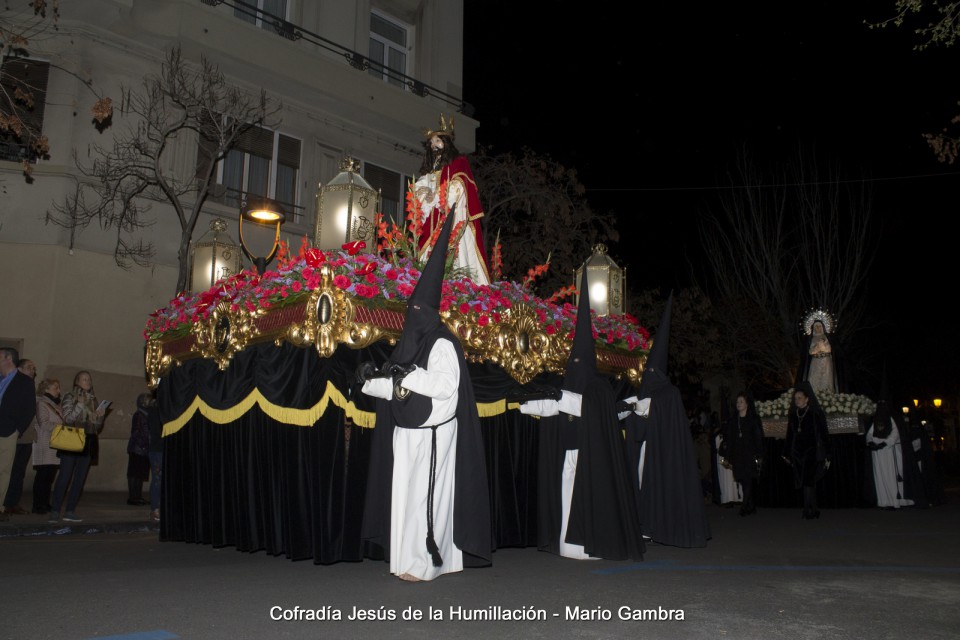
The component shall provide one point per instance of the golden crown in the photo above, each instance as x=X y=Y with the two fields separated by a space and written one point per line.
x=446 y=129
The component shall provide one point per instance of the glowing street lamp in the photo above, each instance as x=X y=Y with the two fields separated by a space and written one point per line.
x=266 y=213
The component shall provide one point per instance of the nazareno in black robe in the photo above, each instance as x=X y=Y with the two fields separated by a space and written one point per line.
x=909 y=469
x=472 y=532
x=603 y=515
x=670 y=499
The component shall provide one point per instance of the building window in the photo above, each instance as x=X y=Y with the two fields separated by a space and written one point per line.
x=392 y=188
x=388 y=48
x=276 y=8
x=262 y=163
x=23 y=95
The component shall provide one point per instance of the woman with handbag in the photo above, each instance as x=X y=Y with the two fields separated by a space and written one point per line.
x=45 y=460
x=79 y=408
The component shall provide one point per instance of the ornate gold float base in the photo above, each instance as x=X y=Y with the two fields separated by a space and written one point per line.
x=329 y=317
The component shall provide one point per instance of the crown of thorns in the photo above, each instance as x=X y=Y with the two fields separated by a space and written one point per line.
x=818 y=315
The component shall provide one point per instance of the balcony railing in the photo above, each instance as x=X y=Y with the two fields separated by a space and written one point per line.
x=358 y=61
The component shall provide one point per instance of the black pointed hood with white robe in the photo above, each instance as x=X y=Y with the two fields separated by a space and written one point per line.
x=423 y=326
x=603 y=517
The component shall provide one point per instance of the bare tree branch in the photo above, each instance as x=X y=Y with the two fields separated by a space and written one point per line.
x=529 y=196
x=784 y=242
x=118 y=186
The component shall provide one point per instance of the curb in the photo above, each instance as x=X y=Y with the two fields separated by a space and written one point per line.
x=60 y=529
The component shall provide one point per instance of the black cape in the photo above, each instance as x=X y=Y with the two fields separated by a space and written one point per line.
x=670 y=501
x=603 y=513
x=472 y=532
x=909 y=470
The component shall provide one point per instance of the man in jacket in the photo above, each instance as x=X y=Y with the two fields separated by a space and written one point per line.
x=17 y=408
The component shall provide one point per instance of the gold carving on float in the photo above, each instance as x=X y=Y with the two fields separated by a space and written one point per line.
x=328 y=321
x=157 y=364
x=224 y=333
x=518 y=343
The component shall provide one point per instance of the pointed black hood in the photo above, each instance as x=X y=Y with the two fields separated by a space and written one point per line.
x=423 y=308
x=655 y=370
x=582 y=363
x=881 y=420
x=657 y=360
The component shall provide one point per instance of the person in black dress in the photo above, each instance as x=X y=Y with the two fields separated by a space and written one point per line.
x=806 y=447
x=743 y=448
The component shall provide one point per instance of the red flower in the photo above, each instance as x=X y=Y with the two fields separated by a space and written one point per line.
x=551 y=329
x=464 y=308
x=355 y=247
x=341 y=281
x=366 y=292
x=314 y=258
x=483 y=321
x=391 y=274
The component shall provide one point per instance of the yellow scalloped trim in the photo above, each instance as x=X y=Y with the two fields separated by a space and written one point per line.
x=298 y=417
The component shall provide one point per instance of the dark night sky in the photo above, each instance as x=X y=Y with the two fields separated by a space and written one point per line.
x=652 y=109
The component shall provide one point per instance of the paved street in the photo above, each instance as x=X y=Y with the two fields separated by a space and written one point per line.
x=854 y=573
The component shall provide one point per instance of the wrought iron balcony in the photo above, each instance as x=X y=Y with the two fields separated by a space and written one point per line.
x=357 y=60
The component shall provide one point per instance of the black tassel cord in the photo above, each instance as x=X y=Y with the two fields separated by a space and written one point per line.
x=431 y=543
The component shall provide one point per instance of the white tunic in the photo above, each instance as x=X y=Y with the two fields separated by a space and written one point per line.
x=887 y=467
x=411 y=469
x=729 y=487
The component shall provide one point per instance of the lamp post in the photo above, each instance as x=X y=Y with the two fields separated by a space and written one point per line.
x=606 y=282
x=346 y=209
x=263 y=212
x=213 y=258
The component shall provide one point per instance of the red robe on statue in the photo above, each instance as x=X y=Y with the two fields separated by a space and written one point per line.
x=462 y=192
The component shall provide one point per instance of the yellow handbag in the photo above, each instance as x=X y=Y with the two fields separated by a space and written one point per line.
x=67 y=438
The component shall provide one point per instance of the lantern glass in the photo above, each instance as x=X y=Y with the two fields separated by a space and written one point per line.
x=346 y=209
x=605 y=282
x=213 y=257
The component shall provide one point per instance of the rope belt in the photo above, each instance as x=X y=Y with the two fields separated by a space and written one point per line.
x=432 y=547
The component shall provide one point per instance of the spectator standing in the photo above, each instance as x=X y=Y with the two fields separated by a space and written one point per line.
x=21 y=457
x=17 y=409
x=45 y=460
x=79 y=409
x=138 y=462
